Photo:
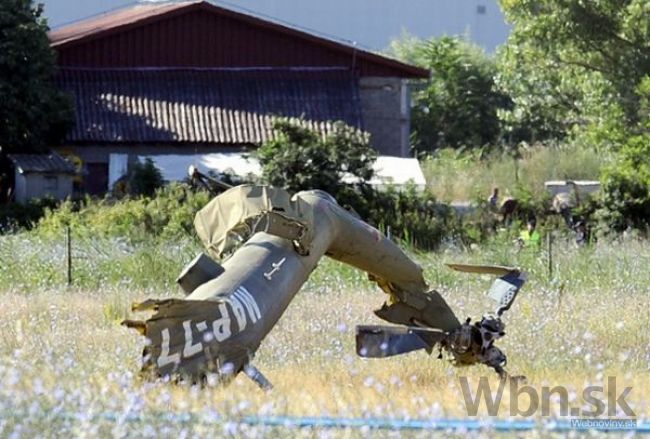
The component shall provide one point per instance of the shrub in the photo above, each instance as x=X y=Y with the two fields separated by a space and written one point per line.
x=341 y=163
x=168 y=214
x=300 y=159
x=626 y=183
x=409 y=215
x=16 y=216
x=626 y=187
x=145 y=178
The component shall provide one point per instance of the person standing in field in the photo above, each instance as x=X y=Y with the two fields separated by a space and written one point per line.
x=493 y=200
x=530 y=237
x=583 y=234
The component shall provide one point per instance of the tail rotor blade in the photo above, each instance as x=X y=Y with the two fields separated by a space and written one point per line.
x=386 y=341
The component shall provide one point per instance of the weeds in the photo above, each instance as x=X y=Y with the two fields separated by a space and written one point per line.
x=68 y=368
x=453 y=175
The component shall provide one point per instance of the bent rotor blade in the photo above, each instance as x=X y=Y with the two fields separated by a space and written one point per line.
x=504 y=290
x=496 y=270
x=375 y=341
x=432 y=312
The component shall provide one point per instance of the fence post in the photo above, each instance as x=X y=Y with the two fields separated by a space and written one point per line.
x=68 y=244
x=549 y=240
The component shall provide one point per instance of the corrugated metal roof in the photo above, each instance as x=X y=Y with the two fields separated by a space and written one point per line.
x=118 y=23
x=228 y=106
x=42 y=163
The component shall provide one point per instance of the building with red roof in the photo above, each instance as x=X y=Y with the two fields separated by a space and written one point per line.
x=193 y=78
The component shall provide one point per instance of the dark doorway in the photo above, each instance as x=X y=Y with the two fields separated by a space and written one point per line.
x=96 y=179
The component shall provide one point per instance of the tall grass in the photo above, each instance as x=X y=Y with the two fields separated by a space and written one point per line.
x=453 y=175
x=31 y=262
x=69 y=369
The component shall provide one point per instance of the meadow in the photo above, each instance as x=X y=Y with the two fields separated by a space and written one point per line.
x=467 y=175
x=70 y=369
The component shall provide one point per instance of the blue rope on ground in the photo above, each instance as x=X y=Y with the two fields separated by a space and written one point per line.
x=456 y=425
x=437 y=424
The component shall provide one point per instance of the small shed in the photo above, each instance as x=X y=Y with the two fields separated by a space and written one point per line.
x=41 y=175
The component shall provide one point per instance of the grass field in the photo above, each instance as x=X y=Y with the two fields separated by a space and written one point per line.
x=454 y=176
x=69 y=369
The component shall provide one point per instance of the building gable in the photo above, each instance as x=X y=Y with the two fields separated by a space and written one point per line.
x=200 y=34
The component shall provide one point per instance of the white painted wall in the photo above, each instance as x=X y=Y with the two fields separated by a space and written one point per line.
x=36 y=185
x=398 y=171
x=371 y=23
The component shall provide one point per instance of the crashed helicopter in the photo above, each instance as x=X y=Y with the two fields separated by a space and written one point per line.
x=270 y=242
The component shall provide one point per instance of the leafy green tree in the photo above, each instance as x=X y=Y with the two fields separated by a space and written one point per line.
x=459 y=106
x=572 y=67
x=626 y=186
x=299 y=158
x=33 y=114
x=626 y=183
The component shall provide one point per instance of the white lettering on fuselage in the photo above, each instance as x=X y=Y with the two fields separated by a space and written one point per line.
x=244 y=308
x=164 y=358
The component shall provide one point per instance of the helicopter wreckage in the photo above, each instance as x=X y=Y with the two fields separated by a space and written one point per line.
x=270 y=242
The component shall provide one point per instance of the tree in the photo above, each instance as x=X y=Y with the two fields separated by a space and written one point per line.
x=580 y=70
x=626 y=183
x=299 y=158
x=33 y=114
x=459 y=106
x=572 y=67
x=145 y=178
x=626 y=187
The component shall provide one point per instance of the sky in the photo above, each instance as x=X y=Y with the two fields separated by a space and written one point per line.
x=371 y=24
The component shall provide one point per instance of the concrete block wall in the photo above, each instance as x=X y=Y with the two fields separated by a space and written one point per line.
x=385 y=104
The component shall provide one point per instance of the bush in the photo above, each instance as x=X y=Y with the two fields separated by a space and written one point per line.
x=168 y=214
x=626 y=183
x=16 y=216
x=411 y=216
x=300 y=159
x=340 y=164
x=626 y=187
x=145 y=178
